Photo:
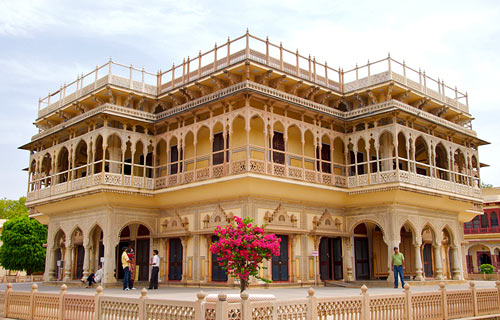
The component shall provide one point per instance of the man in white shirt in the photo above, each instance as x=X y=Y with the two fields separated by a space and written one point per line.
x=99 y=275
x=155 y=262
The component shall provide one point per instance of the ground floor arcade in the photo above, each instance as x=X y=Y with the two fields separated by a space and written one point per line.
x=351 y=243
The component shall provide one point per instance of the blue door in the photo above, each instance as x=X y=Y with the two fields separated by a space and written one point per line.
x=280 y=263
x=175 y=260
x=218 y=273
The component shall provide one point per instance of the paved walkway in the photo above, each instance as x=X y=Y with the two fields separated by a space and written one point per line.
x=189 y=294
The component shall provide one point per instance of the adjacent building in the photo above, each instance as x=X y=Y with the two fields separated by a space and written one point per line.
x=483 y=233
x=342 y=164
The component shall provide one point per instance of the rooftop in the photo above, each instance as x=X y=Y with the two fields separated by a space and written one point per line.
x=271 y=57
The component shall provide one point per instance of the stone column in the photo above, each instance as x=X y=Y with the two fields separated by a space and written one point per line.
x=293 y=242
x=86 y=262
x=438 y=267
x=348 y=261
x=455 y=268
x=208 y=239
x=110 y=260
x=184 y=241
x=68 y=263
x=52 y=267
x=418 y=261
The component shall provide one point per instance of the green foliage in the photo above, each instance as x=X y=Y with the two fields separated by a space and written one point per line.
x=12 y=208
x=487 y=268
x=22 y=247
x=486 y=185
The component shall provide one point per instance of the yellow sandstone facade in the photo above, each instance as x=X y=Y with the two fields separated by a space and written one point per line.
x=349 y=163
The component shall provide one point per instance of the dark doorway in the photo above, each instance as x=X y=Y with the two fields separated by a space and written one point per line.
x=80 y=254
x=330 y=259
x=59 y=269
x=175 y=259
x=427 y=255
x=361 y=256
x=483 y=258
x=280 y=263
x=218 y=273
x=142 y=259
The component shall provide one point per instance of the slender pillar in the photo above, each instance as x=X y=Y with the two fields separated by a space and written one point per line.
x=348 y=261
x=184 y=241
x=68 y=263
x=418 y=261
x=455 y=267
x=438 y=266
x=52 y=265
x=207 y=259
x=293 y=241
x=86 y=262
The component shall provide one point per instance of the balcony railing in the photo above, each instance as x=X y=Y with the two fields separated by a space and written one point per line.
x=482 y=230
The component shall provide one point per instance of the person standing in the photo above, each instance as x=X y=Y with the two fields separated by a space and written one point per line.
x=131 y=264
x=155 y=262
x=126 y=270
x=398 y=265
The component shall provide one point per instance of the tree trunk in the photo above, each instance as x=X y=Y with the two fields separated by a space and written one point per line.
x=243 y=284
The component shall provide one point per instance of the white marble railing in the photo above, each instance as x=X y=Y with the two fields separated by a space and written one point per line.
x=443 y=304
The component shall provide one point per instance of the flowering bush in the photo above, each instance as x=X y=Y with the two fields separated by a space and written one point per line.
x=242 y=248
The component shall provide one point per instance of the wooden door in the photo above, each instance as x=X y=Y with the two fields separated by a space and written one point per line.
x=175 y=259
x=142 y=259
x=280 y=263
x=325 y=259
x=218 y=273
x=79 y=256
x=361 y=258
x=338 y=264
x=427 y=255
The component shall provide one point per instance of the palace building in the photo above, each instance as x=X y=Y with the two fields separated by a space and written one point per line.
x=343 y=164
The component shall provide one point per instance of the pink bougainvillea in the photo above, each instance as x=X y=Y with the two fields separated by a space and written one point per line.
x=241 y=249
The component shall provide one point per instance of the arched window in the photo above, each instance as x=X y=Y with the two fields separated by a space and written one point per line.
x=475 y=222
x=484 y=221
x=494 y=219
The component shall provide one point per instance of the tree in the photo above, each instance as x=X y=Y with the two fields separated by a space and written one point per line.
x=22 y=247
x=12 y=208
x=486 y=185
x=241 y=250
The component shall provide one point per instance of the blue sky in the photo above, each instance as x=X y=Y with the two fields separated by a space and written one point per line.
x=45 y=43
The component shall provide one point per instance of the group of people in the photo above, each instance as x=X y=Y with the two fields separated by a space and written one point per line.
x=129 y=263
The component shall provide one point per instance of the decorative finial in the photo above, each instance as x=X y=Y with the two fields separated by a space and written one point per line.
x=364 y=289
x=99 y=289
x=201 y=295
x=310 y=292
x=64 y=288
x=144 y=292
x=34 y=287
x=244 y=295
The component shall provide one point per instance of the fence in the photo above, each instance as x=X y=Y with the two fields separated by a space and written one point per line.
x=441 y=304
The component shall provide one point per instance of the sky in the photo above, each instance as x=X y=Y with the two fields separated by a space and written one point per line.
x=46 y=43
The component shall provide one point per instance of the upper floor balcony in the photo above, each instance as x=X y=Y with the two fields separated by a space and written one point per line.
x=252 y=139
x=268 y=58
x=483 y=224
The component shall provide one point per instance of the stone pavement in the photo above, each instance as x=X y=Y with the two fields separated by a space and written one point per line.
x=189 y=294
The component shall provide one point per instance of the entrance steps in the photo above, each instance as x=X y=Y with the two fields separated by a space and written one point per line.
x=359 y=284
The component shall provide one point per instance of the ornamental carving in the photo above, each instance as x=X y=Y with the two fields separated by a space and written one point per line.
x=218 y=218
x=175 y=223
x=280 y=218
x=327 y=222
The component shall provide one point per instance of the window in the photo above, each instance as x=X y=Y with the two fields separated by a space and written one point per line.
x=475 y=222
x=175 y=166
x=494 y=219
x=484 y=221
x=279 y=146
x=468 y=225
x=218 y=145
x=325 y=159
